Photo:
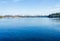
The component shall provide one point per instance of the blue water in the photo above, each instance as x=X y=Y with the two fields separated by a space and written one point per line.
x=29 y=29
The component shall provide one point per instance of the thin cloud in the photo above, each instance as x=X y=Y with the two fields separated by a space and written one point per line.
x=3 y=1
x=17 y=0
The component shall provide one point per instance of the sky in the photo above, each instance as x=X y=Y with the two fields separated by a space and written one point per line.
x=29 y=7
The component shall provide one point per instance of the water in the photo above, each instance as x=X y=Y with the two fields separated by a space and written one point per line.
x=29 y=29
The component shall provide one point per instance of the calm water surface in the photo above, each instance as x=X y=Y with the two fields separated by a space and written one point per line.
x=29 y=29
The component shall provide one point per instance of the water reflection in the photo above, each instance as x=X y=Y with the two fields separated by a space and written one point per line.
x=29 y=29
x=55 y=20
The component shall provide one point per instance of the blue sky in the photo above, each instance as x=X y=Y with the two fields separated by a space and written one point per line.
x=29 y=7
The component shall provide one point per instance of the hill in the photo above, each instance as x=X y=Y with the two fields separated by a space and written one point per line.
x=54 y=15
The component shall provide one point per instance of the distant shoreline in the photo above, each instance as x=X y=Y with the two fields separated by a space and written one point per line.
x=8 y=16
x=53 y=15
